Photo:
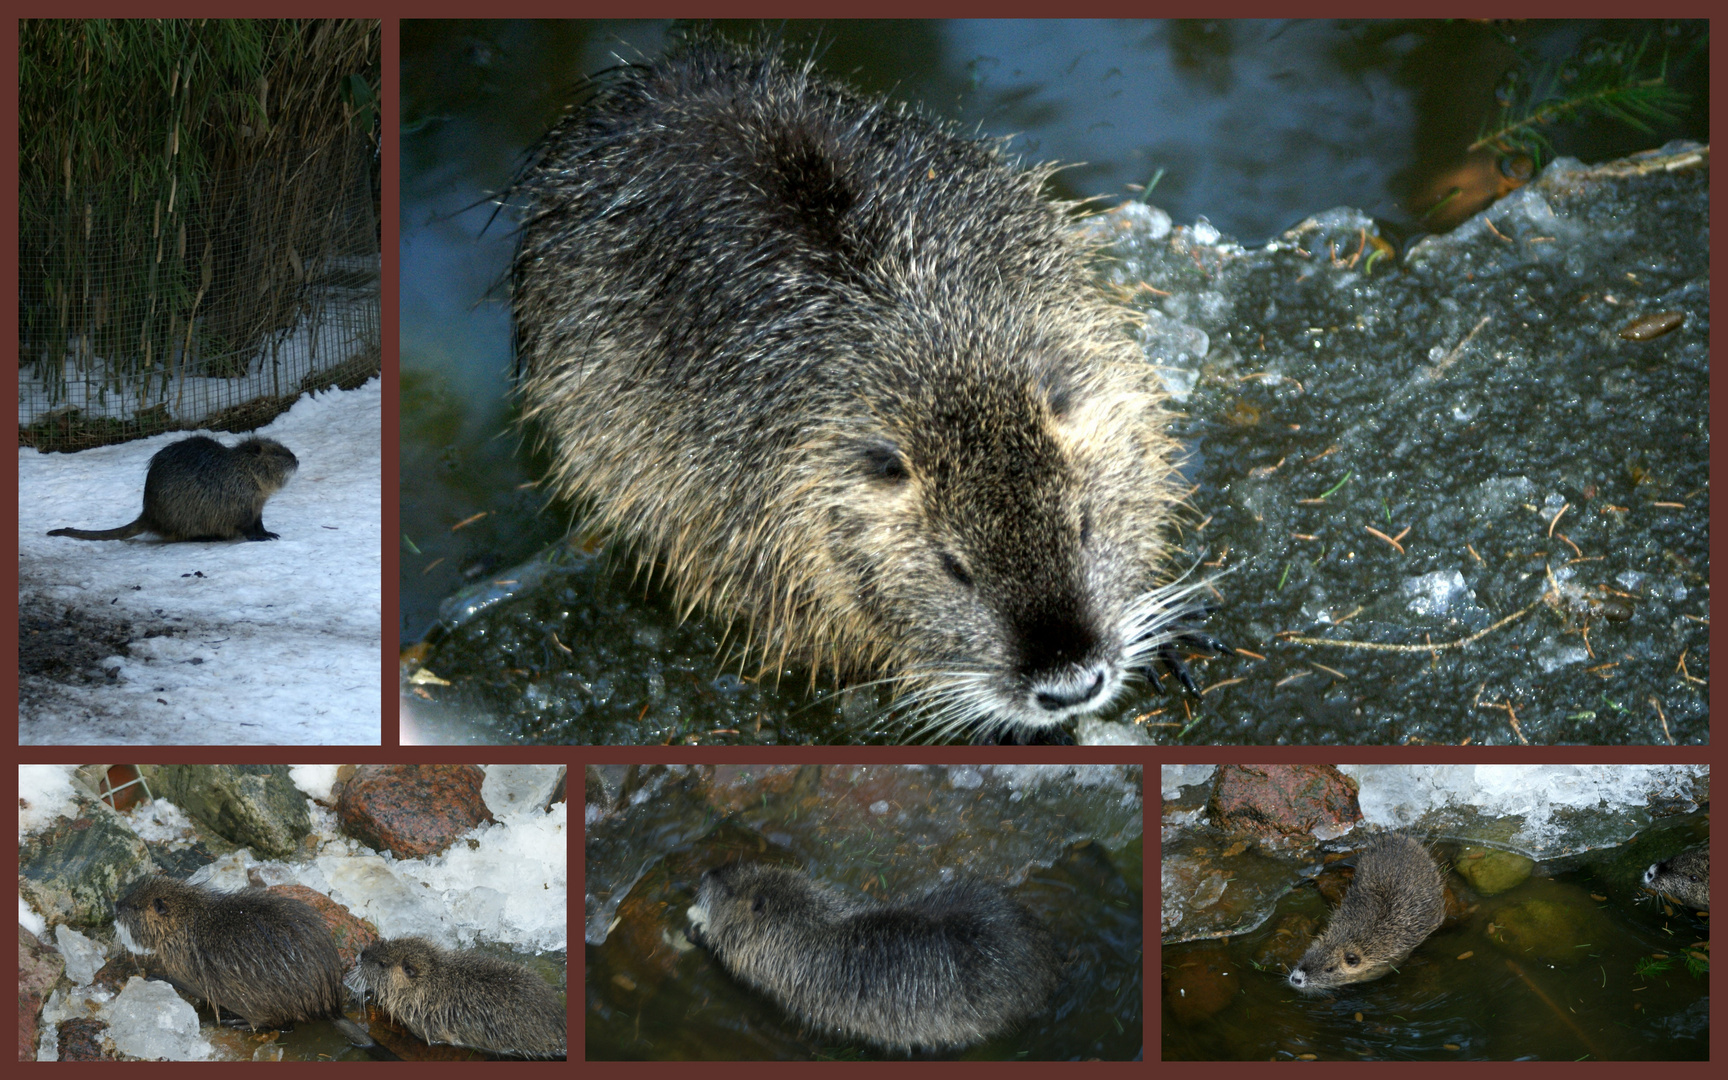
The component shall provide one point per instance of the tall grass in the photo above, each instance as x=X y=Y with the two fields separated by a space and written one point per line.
x=176 y=179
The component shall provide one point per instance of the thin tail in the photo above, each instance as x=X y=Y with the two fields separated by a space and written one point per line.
x=122 y=533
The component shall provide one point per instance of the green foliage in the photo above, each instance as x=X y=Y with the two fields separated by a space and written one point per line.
x=1697 y=965
x=1622 y=80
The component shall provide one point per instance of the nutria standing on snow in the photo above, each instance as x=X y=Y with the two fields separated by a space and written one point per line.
x=198 y=489
x=846 y=376
x=254 y=953
x=956 y=967
x=1396 y=899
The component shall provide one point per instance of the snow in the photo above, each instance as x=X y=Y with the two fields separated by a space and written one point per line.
x=1548 y=798
x=45 y=795
x=344 y=328
x=234 y=642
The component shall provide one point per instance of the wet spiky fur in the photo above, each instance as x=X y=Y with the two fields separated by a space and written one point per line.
x=946 y=970
x=846 y=377
x=1396 y=899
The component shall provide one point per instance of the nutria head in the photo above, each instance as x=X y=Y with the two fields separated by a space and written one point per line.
x=1002 y=513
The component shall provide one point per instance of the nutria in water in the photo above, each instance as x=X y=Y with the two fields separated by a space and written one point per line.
x=1396 y=899
x=953 y=968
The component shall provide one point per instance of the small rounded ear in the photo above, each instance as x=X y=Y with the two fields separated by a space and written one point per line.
x=883 y=461
x=1058 y=391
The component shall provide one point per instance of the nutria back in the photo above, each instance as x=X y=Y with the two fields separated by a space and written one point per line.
x=254 y=953
x=1396 y=899
x=463 y=998
x=1685 y=877
x=846 y=377
x=198 y=489
x=960 y=965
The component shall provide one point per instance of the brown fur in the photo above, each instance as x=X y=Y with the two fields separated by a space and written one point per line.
x=254 y=953
x=1685 y=877
x=1396 y=899
x=846 y=377
x=198 y=489
x=463 y=998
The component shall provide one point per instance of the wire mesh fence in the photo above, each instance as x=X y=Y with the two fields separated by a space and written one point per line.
x=207 y=305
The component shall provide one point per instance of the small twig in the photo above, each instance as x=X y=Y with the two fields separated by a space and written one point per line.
x=1450 y=358
x=1389 y=539
x=1660 y=715
x=1510 y=712
x=1378 y=646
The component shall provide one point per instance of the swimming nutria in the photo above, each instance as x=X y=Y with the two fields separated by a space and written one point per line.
x=846 y=376
x=1396 y=899
x=198 y=489
x=958 y=966
x=257 y=954
x=1685 y=877
x=463 y=998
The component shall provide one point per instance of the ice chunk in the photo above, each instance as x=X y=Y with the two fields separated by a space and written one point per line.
x=83 y=957
x=149 y=1020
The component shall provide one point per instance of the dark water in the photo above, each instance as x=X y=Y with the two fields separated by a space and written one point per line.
x=1615 y=986
x=1065 y=844
x=1253 y=125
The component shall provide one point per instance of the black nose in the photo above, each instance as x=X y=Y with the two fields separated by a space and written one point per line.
x=1065 y=694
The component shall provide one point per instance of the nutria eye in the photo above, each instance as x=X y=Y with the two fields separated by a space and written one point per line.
x=883 y=462
x=758 y=903
x=956 y=569
x=1085 y=526
x=1351 y=959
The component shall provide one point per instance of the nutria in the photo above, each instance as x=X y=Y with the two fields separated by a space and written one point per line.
x=958 y=966
x=462 y=998
x=846 y=376
x=198 y=489
x=1396 y=899
x=264 y=957
x=1685 y=877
